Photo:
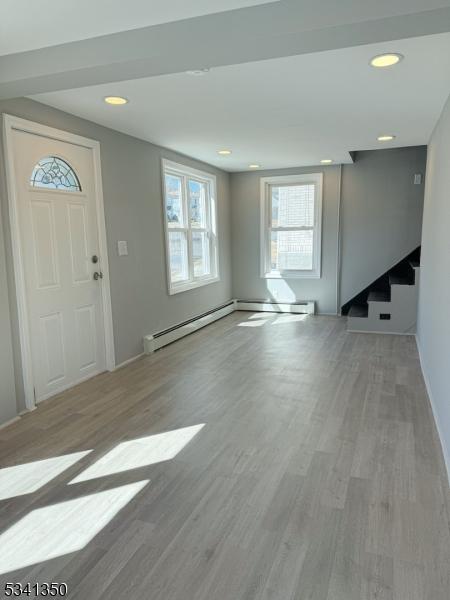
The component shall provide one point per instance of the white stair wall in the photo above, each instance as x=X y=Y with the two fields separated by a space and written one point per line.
x=402 y=309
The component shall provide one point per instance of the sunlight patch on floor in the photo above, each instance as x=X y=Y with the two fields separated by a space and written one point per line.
x=288 y=319
x=140 y=452
x=260 y=319
x=62 y=528
x=252 y=323
x=30 y=477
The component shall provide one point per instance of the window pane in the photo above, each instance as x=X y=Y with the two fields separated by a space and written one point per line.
x=292 y=250
x=174 y=201
x=200 y=254
x=292 y=205
x=54 y=173
x=178 y=256
x=197 y=202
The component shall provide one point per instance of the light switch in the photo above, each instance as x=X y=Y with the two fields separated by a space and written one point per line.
x=122 y=248
x=417 y=179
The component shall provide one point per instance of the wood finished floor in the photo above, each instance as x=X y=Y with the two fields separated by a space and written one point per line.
x=317 y=474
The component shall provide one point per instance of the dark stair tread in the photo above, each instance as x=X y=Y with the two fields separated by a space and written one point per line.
x=414 y=264
x=378 y=296
x=399 y=280
x=358 y=310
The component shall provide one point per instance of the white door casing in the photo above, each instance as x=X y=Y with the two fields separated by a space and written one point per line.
x=64 y=314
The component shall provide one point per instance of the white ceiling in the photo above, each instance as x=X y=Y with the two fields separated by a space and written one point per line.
x=284 y=112
x=31 y=24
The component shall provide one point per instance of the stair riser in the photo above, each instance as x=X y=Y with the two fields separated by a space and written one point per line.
x=375 y=308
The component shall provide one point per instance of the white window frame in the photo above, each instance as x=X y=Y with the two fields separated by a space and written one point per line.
x=266 y=226
x=186 y=173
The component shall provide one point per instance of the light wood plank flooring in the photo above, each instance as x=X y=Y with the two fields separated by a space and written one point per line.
x=265 y=457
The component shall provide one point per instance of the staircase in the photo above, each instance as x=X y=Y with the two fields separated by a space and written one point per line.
x=388 y=305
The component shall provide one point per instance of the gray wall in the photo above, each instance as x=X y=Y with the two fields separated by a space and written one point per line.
x=245 y=228
x=433 y=331
x=132 y=188
x=381 y=214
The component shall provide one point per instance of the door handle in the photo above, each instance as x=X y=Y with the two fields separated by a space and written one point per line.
x=98 y=275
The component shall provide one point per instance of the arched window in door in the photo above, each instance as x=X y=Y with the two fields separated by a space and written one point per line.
x=55 y=173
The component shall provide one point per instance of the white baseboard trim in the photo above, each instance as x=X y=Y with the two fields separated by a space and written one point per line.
x=27 y=410
x=380 y=332
x=10 y=422
x=52 y=395
x=162 y=338
x=278 y=307
x=129 y=361
x=445 y=450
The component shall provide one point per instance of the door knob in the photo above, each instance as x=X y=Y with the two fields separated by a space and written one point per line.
x=98 y=275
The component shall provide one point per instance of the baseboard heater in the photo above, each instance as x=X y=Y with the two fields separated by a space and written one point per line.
x=167 y=336
x=279 y=307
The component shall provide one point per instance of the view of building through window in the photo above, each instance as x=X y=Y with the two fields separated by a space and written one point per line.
x=292 y=207
x=292 y=218
x=191 y=238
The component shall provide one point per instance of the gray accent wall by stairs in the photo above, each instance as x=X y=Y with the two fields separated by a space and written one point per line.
x=381 y=214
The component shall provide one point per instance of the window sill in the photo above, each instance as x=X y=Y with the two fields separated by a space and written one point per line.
x=293 y=275
x=191 y=285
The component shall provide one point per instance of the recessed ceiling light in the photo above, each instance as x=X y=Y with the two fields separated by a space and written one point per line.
x=386 y=60
x=326 y=161
x=116 y=100
x=224 y=152
x=385 y=138
x=197 y=72
x=254 y=166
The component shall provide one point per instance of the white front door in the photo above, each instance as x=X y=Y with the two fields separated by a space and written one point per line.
x=59 y=241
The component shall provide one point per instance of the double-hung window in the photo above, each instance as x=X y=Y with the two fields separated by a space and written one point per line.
x=190 y=227
x=291 y=217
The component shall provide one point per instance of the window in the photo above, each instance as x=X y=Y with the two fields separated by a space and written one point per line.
x=54 y=173
x=291 y=216
x=190 y=225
